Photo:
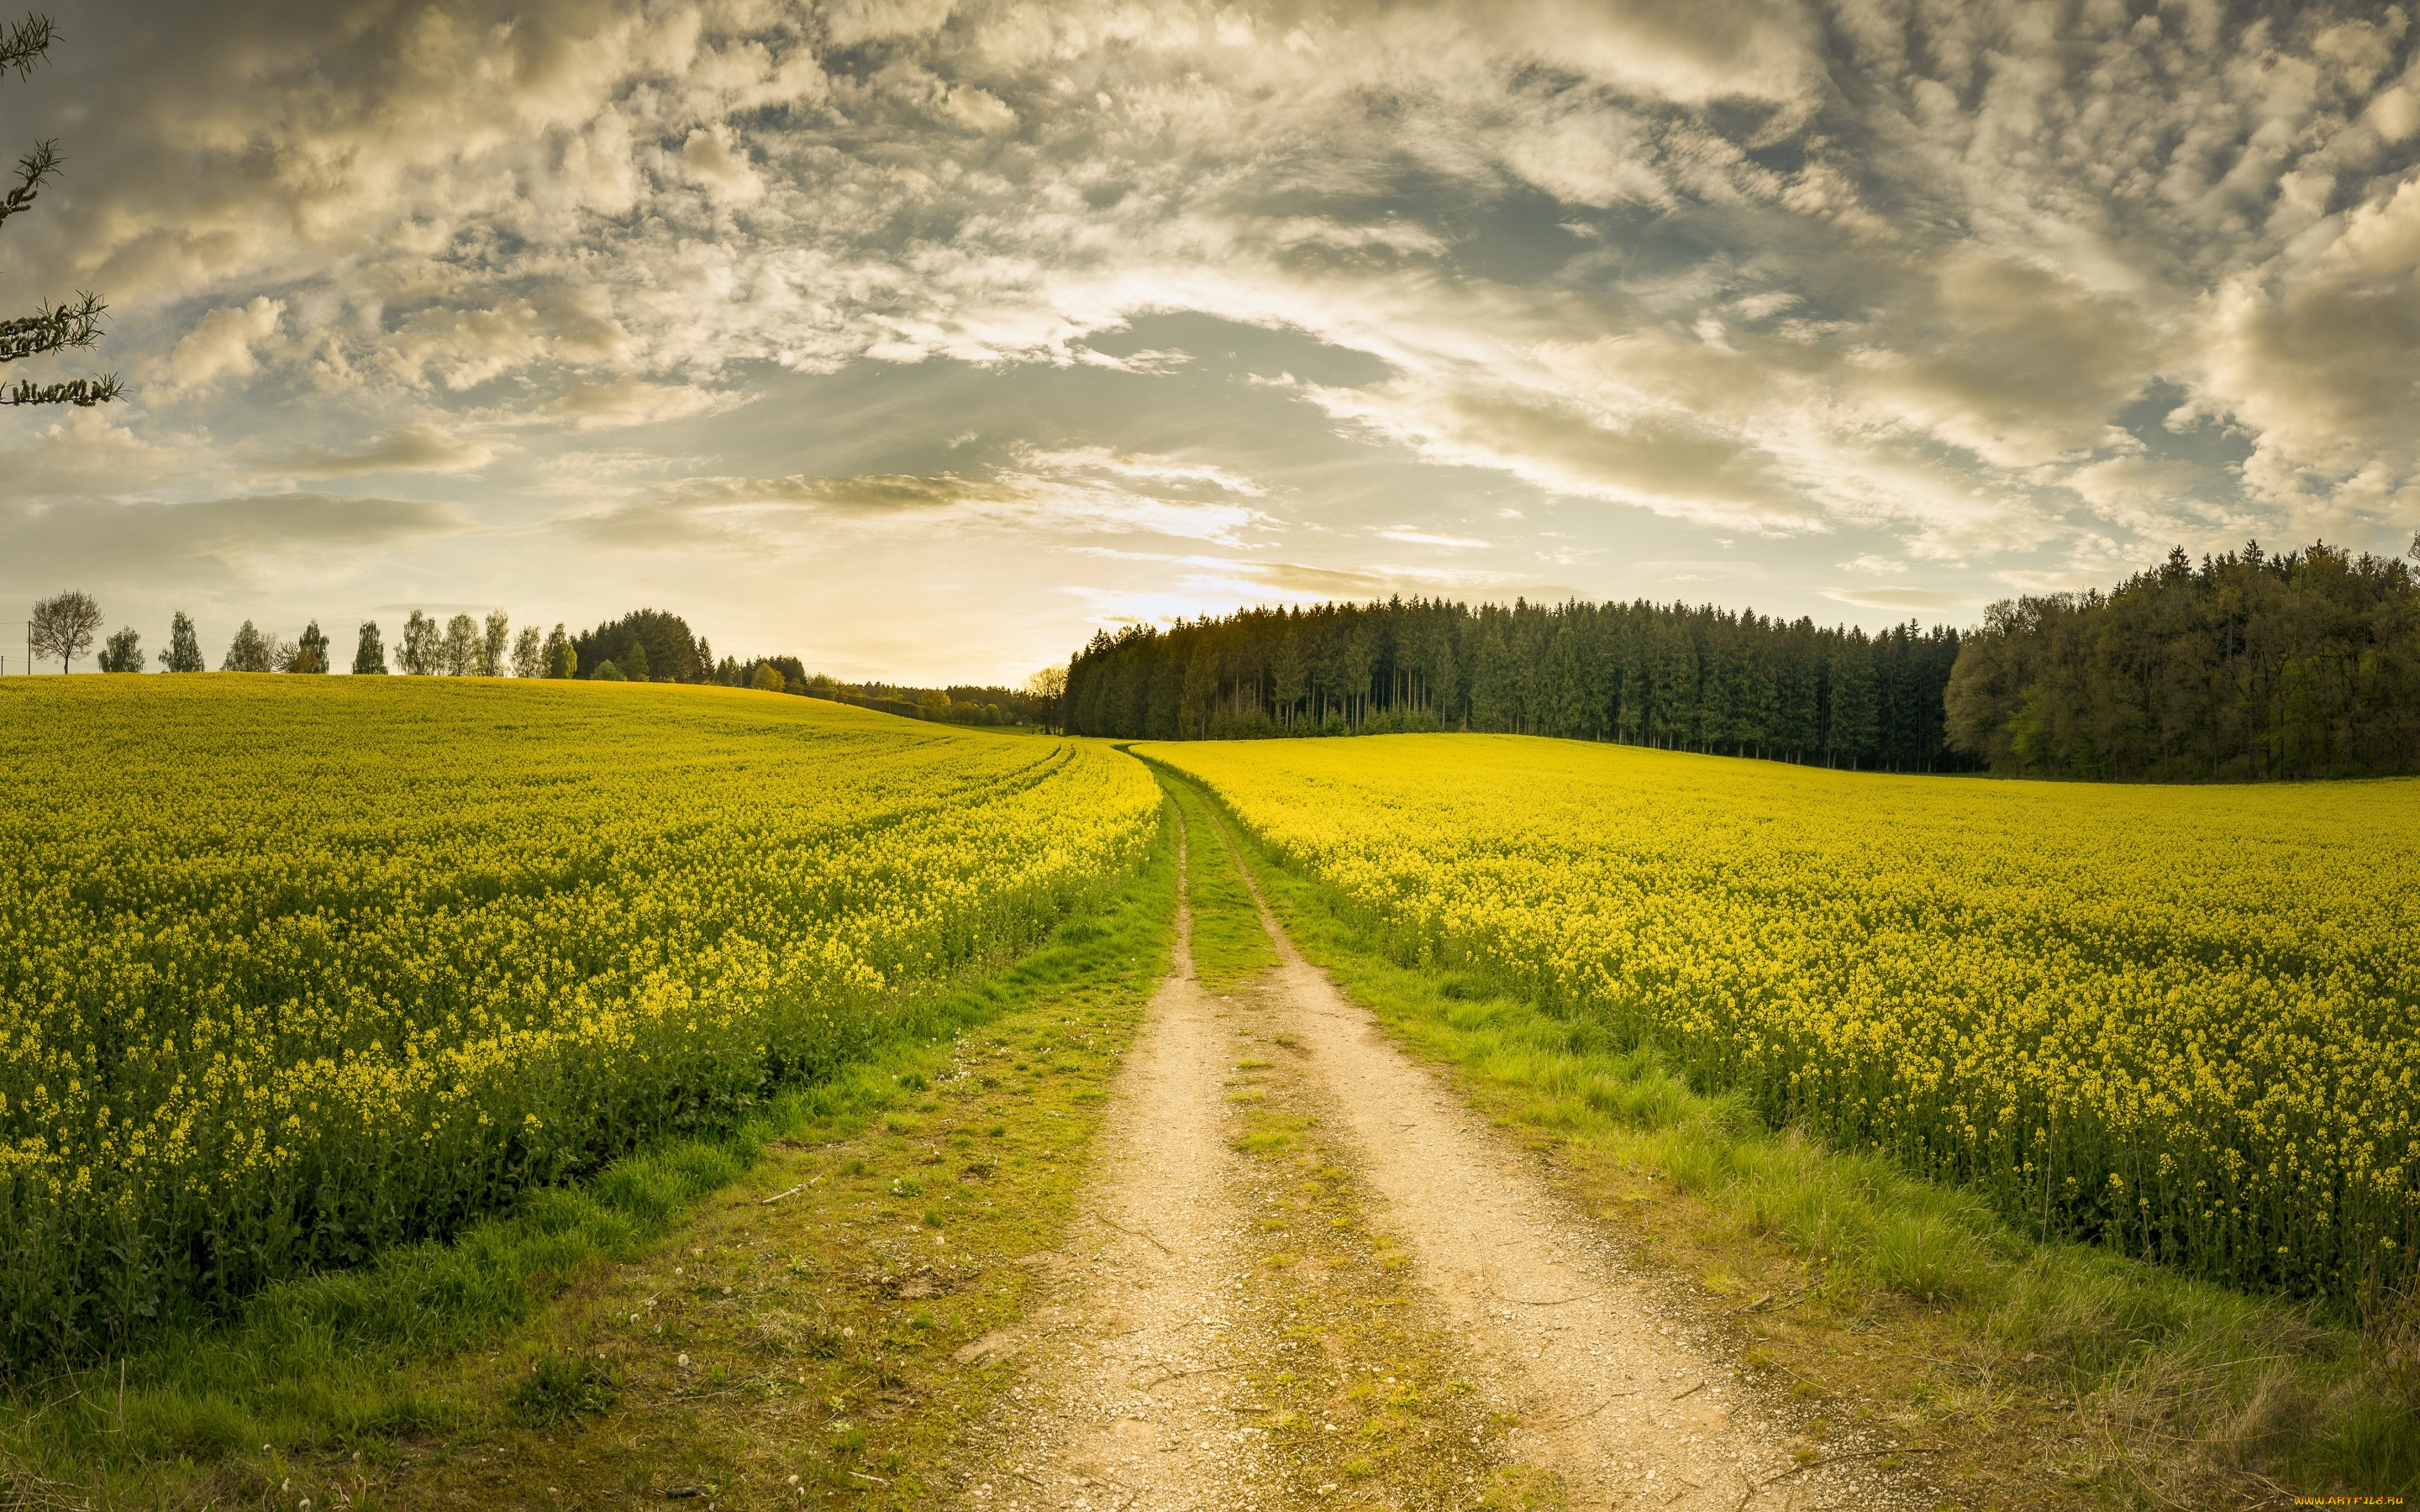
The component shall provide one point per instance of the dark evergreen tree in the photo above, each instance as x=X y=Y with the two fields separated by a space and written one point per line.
x=1675 y=676
x=2246 y=666
x=670 y=651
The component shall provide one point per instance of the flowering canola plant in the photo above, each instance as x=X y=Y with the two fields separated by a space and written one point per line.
x=2181 y=1021
x=292 y=969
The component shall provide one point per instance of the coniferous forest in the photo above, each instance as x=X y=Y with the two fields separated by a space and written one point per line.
x=2250 y=666
x=1702 y=679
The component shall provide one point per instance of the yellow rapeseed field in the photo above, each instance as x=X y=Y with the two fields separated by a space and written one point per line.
x=2182 y=1021
x=293 y=968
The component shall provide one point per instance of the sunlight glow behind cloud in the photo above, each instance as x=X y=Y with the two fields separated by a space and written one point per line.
x=849 y=330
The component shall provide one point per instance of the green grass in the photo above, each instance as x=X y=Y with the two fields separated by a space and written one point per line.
x=1229 y=946
x=357 y=1360
x=2179 y=1390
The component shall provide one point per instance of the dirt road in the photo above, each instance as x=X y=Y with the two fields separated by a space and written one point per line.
x=1152 y=1373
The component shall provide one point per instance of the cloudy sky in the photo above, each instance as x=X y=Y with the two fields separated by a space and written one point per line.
x=919 y=337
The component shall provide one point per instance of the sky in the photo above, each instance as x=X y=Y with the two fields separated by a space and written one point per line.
x=921 y=338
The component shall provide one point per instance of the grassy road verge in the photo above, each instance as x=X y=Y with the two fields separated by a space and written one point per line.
x=788 y=1314
x=2064 y=1374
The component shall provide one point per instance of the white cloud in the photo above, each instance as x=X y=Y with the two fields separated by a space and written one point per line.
x=221 y=345
x=1744 y=266
x=411 y=448
x=1899 y=598
x=631 y=402
x=1412 y=538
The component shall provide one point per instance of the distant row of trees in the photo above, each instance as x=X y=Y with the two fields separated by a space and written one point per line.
x=2247 y=665
x=63 y=626
x=648 y=645
x=1035 y=703
x=1680 y=678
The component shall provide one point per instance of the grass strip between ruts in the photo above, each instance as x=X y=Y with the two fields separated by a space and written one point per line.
x=2050 y=1368
x=467 y=1367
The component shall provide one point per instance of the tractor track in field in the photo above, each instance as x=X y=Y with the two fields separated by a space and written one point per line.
x=1135 y=1352
x=1599 y=1385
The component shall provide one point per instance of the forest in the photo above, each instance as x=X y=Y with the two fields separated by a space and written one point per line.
x=2304 y=664
x=2252 y=665
x=1680 y=678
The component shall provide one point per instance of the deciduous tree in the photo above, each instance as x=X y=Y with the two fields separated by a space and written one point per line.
x=457 y=655
x=308 y=655
x=63 y=626
x=249 y=651
x=495 y=637
x=184 y=653
x=124 y=652
x=419 y=651
x=529 y=653
x=370 y=652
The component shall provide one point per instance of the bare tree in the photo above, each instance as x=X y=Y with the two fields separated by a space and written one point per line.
x=64 y=626
x=51 y=327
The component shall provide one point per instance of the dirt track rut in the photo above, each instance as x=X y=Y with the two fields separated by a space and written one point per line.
x=1616 y=1389
x=1133 y=1355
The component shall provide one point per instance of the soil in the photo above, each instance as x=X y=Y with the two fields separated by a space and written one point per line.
x=1134 y=1356
x=1151 y=1365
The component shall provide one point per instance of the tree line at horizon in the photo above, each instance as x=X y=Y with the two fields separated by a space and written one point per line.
x=646 y=646
x=2252 y=665
x=1675 y=676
